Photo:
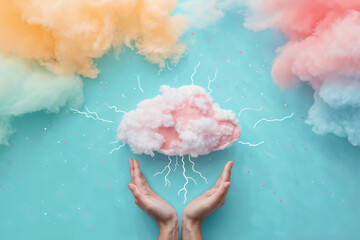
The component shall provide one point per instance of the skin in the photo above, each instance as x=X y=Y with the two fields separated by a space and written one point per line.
x=165 y=215
x=162 y=212
x=200 y=208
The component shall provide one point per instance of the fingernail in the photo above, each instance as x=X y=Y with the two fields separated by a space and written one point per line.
x=231 y=163
x=131 y=187
x=227 y=184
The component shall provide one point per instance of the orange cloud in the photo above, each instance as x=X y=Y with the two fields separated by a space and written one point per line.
x=66 y=36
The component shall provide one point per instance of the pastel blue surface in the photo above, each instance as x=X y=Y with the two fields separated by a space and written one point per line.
x=77 y=190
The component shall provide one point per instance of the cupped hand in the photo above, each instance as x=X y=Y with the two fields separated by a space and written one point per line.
x=198 y=209
x=151 y=203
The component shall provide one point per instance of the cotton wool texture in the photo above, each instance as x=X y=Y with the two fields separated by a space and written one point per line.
x=180 y=121
x=66 y=36
x=26 y=87
x=324 y=51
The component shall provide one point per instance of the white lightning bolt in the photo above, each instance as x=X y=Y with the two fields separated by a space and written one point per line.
x=117 y=149
x=193 y=168
x=176 y=164
x=187 y=180
x=192 y=75
x=115 y=108
x=89 y=116
x=229 y=99
x=252 y=109
x=138 y=79
x=210 y=81
x=273 y=120
x=169 y=169
x=250 y=144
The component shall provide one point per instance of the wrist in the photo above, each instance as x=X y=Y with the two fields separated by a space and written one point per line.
x=169 y=229
x=191 y=228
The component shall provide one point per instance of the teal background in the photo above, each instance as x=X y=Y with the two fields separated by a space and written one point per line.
x=76 y=190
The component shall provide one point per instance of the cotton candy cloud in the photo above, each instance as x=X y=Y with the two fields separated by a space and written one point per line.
x=323 y=50
x=179 y=122
x=26 y=87
x=66 y=36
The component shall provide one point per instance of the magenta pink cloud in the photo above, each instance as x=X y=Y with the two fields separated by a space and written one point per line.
x=323 y=50
x=179 y=122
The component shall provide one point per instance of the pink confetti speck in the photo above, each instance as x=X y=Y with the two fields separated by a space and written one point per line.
x=240 y=51
x=64 y=141
x=262 y=184
x=101 y=160
x=3 y=188
x=330 y=192
x=101 y=88
x=249 y=155
x=296 y=183
x=224 y=58
x=109 y=185
x=228 y=60
x=20 y=178
x=273 y=191
x=209 y=40
x=237 y=87
x=89 y=225
x=247 y=171
x=343 y=204
x=205 y=39
x=39 y=170
x=131 y=56
x=192 y=33
x=47 y=165
x=112 y=165
x=51 y=211
x=280 y=200
x=217 y=86
x=301 y=117
x=83 y=213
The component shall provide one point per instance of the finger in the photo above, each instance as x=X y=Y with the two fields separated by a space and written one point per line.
x=225 y=175
x=144 y=182
x=220 y=194
x=131 y=164
x=136 y=192
x=227 y=171
x=138 y=179
x=137 y=172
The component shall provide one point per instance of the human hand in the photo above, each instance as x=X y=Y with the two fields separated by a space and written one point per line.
x=198 y=209
x=152 y=204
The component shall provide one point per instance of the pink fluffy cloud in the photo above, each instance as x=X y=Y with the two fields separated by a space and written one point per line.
x=323 y=50
x=179 y=122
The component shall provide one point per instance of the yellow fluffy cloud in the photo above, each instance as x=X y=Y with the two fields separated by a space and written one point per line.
x=66 y=36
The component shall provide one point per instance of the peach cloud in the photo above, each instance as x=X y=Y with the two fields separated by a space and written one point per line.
x=66 y=36
x=323 y=50
x=179 y=122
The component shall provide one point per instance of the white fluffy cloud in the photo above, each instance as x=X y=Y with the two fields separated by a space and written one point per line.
x=179 y=122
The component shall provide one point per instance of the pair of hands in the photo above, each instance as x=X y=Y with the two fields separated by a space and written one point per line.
x=165 y=215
